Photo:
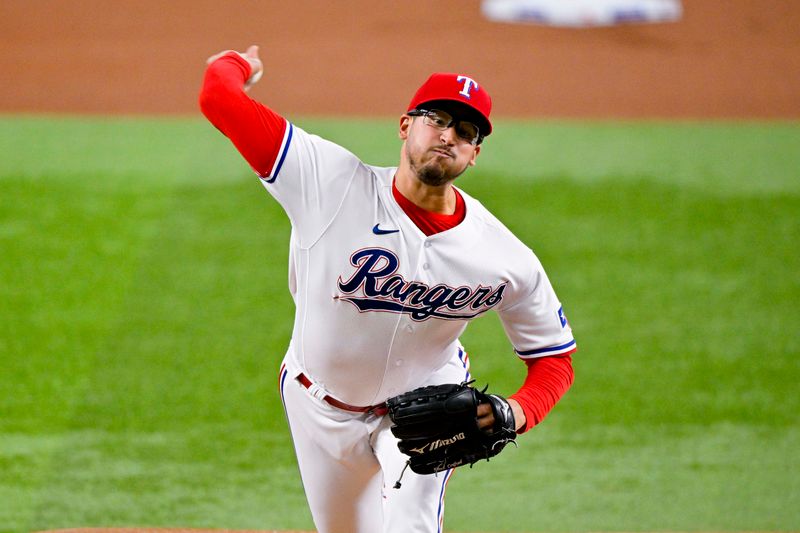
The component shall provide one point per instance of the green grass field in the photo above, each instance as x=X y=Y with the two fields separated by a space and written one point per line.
x=144 y=312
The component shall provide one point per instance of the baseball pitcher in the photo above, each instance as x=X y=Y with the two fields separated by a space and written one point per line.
x=387 y=266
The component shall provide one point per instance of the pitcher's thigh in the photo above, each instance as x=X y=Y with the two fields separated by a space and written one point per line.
x=339 y=471
x=418 y=505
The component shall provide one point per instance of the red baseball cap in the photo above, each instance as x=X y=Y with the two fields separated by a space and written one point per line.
x=447 y=87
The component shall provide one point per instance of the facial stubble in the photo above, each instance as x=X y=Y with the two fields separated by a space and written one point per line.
x=433 y=172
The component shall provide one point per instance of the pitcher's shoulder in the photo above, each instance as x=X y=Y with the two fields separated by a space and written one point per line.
x=489 y=223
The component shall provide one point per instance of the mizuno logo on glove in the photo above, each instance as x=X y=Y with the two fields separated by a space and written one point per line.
x=439 y=443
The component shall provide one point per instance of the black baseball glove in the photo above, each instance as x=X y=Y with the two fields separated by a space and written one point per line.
x=438 y=426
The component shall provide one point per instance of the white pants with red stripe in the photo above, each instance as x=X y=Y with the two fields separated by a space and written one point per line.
x=349 y=463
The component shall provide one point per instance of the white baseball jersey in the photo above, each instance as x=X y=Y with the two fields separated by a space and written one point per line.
x=380 y=305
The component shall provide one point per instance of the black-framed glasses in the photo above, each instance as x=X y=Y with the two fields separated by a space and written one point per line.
x=465 y=130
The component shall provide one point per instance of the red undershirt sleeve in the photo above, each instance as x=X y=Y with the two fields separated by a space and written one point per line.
x=255 y=130
x=547 y=381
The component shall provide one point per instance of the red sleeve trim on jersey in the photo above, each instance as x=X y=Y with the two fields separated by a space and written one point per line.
x=261 y=135
x=548 y=380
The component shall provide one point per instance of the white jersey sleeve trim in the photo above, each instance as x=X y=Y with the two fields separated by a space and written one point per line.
x=285 y=143
x=550 y=350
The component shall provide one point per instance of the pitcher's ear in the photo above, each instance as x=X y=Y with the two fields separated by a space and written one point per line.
x=475 y=155
x=405 y=124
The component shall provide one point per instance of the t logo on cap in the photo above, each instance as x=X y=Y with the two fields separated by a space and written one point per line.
x=457 y=89
x=469 y=83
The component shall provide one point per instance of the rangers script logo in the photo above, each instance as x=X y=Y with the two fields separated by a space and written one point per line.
x=383 y=290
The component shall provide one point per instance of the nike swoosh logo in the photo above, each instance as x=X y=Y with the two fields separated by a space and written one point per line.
x=378 y=231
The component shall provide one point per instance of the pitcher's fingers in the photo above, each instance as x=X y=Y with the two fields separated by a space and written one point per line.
x=252 y=51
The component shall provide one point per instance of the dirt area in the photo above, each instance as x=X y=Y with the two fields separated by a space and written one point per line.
x=160 y=530
x=725 y=58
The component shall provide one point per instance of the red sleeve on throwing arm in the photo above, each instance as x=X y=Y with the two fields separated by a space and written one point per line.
x=255 y=130
x=548 y=379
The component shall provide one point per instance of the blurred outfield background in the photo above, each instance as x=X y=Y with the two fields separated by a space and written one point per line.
x=143 y=299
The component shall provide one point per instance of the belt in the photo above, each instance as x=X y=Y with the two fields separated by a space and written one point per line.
x=378 y=410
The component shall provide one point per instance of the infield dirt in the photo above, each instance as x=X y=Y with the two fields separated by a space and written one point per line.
x=726 y=58
x=162 y=530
